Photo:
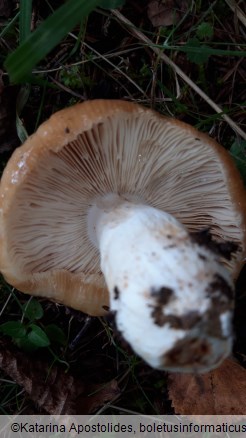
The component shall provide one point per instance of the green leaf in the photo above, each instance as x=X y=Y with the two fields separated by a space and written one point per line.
x=55 y=334
x=38 y=337
x=238 y=152
x=36 y=46
x=33 y=310
x=25 y=19
x=15 y=329
x=111 y=4
x=25 y=344
x=197 y=52
x=204 y=30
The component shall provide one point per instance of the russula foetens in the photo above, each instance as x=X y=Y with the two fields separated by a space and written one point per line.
x=107 y=196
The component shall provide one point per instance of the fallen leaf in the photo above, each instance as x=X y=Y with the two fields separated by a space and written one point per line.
x=51 y=388
x=165 y=12
x=100 y=394
x=219 y=392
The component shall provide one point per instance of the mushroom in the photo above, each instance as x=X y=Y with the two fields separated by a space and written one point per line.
x=108 y=204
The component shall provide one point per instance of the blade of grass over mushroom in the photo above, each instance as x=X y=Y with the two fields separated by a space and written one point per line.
x=21 y=101
x=25 y=19
x=238 y=153
x=19 y=64
x=44 y=88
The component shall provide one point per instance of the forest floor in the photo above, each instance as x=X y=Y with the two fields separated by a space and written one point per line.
x=185 y=59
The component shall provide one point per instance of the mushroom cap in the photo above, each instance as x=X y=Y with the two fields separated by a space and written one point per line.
x=99 y=147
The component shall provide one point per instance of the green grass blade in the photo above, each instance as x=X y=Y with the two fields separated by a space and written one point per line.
x=20 y=63
x=21 y=101
x=25 y=19
x=207 y=50
x=9 y=25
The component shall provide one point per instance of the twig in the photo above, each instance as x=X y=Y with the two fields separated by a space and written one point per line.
x=68 y=90
x=138 y=34
x=116 y=68
x=237 y=10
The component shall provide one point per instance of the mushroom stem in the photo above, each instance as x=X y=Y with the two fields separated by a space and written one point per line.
x=172 y=297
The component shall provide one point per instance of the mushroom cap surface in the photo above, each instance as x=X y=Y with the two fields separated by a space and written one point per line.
x=99 y=147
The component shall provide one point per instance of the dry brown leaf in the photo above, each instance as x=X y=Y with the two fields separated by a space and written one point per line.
x=165 y=12
x=53 y=390
x=219 y=392
x=99 y=395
